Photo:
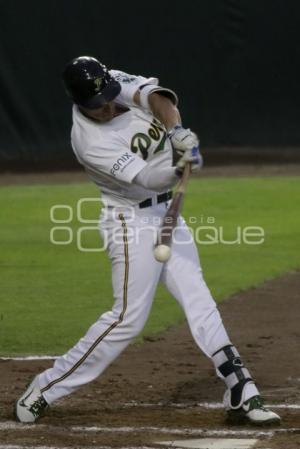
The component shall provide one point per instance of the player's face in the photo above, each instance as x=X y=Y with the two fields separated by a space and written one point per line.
x=103 y=114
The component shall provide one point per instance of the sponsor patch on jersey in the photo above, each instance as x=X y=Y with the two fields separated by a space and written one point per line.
x=124 y=78
x=121 y=163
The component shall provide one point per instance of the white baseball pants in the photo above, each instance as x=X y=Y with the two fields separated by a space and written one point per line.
x=135 y=275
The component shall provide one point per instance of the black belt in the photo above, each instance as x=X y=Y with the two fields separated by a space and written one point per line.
x=161 y=198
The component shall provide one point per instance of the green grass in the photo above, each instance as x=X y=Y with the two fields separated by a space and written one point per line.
x=50 y=294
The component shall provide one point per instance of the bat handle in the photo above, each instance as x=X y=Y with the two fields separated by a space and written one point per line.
x=162 y=251
x=184 y=178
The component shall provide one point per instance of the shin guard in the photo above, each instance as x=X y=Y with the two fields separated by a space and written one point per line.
x=231 y=369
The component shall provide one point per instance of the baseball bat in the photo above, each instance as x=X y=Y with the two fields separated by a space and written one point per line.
x=162 y=250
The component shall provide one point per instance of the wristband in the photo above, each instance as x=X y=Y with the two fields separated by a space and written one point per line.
x=173 y=130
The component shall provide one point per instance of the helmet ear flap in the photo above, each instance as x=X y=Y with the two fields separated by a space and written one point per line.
x=88 y=82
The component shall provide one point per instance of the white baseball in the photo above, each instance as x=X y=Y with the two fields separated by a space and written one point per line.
x=162 y=253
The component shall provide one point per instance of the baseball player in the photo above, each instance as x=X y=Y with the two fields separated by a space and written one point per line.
x=125 y=129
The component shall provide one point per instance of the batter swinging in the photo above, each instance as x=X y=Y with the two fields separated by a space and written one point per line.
x=124 y=131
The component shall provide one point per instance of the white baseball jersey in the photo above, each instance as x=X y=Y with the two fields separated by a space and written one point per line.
x=113 y=153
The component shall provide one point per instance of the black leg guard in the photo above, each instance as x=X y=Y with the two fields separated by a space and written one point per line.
x=231 y=369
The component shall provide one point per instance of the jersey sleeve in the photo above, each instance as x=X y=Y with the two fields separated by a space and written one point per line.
x=129 y=85
x=123 y=165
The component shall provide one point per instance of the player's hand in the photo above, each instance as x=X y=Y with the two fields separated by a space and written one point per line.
x=191 y=156
x=182 y=139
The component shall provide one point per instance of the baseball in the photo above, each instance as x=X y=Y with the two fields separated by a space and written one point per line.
x=162 y=253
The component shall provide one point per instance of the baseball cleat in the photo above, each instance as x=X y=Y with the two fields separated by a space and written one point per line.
x=254 y=412
x=31 y=405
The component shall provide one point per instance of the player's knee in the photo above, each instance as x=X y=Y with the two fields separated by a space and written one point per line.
x=128 y=324
x=135 y=328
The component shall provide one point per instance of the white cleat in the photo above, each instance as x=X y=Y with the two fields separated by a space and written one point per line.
x=31 y=405
x=254 y=412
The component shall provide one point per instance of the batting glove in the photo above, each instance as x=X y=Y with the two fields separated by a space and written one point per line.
x=191 y=156
x=182 y=139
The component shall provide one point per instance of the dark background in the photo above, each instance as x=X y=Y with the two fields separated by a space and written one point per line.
x=234 y=64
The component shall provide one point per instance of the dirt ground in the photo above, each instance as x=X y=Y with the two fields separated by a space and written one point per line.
x=152 y=391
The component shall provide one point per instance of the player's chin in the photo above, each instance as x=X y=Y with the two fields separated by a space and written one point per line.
x=106 y=117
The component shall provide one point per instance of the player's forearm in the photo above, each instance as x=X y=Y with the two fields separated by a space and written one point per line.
x=158 y=179
x=164 y=110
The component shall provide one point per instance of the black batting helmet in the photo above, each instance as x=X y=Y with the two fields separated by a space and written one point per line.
x=89 y=83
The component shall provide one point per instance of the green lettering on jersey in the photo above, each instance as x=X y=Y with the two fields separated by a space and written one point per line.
x=154 y=132
x=140 y=142
x=161 y=144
